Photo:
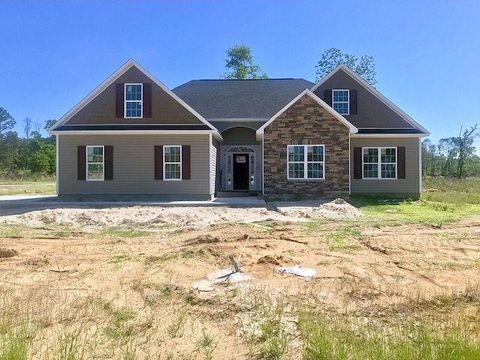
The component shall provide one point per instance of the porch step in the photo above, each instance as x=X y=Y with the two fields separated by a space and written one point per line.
x=230 y=194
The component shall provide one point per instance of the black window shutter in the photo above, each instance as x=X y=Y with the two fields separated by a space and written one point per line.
x=147 y=100
x=353 y=102
x=357 y=163
x=108 y=162
x=401 y=162
x=119 y=100
x=186 y=162
x=81 y=162
x=158 y=162
x=327 y=96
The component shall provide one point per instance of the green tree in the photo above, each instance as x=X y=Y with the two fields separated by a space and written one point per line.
x=331 y=58
x=42 y=159
x=240 y=65
x=7 y=122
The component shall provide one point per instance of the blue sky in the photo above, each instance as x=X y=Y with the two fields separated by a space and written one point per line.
x=427 y=52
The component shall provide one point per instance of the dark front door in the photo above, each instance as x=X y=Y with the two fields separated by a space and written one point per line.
x=240 y=171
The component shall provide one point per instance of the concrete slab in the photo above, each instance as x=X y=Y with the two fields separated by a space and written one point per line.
x=46 y=201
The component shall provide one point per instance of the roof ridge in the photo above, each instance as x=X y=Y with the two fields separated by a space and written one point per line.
x=286 y=78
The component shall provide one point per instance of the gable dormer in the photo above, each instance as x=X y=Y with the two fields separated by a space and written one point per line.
x=360 y=103
x=132 y=96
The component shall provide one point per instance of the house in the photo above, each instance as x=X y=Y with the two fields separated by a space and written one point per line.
x=282 y=138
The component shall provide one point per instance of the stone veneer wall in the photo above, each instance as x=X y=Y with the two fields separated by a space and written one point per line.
x=306 y=122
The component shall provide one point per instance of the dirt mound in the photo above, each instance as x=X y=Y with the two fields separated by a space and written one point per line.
x=6 y=253
x=185 y=217
x=337 y=209
x=274 y=260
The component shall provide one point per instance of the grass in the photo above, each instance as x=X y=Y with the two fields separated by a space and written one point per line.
x=443 y=201
x=340 y=239
x=207 y=344
x=124 y=233
x=350 y=339
x=11 y=231
x=40 y=186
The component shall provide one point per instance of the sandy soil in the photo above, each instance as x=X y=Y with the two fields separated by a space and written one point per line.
x=377 y=271
x=186 y=217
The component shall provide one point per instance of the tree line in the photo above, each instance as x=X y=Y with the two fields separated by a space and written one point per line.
x=28 y=156
x=452 y=156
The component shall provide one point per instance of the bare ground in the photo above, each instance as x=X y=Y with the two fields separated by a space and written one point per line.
x=83 y=280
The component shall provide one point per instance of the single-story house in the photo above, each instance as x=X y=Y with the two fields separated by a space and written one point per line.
x=280 y=138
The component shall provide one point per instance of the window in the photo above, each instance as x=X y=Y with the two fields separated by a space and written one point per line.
x=306 y=161
x=133 y=100
x=95 y=163
x=172 y=162
x=379 y=162
x=341 y=101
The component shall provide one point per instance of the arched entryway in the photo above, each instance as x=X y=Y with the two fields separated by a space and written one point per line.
x=240 y=168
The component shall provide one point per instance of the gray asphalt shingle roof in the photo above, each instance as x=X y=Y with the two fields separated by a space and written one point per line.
x=240 y=99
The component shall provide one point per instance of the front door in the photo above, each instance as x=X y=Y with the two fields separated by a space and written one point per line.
x=240 y=171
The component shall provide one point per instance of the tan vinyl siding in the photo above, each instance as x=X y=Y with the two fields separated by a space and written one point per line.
x=133 y=165
x=411 y=183
x=372 y=112
x=165 y=109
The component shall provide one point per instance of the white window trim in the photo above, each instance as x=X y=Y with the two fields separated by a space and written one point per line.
x=86 y=162
x=173 y=162
x=135 y=101
x=379 y=163
x=306 y=162
x=341 y=102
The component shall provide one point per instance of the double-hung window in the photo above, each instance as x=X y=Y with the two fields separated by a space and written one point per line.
x=341 y=101
x=95 y=163
x=133 y=100
x=306 y=162
x=379 y=162
x=172 y=162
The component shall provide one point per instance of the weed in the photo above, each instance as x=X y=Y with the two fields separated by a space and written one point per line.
x=174 y=255
x=120 y=259
x=14 y=344
x=120 y=328
x=207 y=344
x=175 y=329
x=71 y=347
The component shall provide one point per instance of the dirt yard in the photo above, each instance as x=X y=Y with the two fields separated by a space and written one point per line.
x=119 y=283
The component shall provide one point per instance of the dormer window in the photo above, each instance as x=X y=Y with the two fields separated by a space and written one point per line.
x=133 y=100
x=341 y=101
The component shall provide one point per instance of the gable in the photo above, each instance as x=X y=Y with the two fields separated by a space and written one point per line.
x=371 y=112
x=101 y=109
x=309 y=102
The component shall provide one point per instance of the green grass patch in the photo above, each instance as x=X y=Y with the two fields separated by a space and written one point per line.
x=443 y=201
x=345 y=339
x=344 y=238
x=120 y=259
x=11 y=231
x=14 y=344
x=124 y=233
x=27 y=187
x=182 y=254
x=452 y=191
x=120 y=326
